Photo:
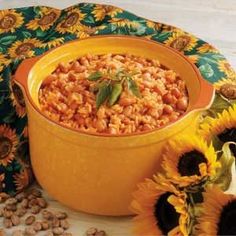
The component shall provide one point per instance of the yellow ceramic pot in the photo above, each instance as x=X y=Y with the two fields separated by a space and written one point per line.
x=98 y=173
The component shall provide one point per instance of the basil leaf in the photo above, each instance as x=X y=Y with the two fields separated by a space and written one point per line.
x=115 y=93
x=95 y=76
x=133 y=87
x=103 y=93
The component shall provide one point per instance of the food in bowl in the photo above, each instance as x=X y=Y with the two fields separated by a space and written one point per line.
x=113 y=94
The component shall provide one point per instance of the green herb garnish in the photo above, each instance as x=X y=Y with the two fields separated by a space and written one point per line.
x=110 y=86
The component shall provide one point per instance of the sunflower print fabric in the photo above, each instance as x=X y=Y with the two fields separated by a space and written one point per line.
x=31 y=31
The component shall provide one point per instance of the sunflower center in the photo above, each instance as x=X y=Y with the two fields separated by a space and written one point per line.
x=228 y=91
x=5 y=147
x=226 y=224
x=18 y=95
x=24 y=48
x=229 y=135
x=166 y=215
x=181 y=42
x=70 y=20
x=47 y=19
x=189 y=163
x=7 y=21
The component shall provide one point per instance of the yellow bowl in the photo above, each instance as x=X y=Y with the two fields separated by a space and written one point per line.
x=98 y=173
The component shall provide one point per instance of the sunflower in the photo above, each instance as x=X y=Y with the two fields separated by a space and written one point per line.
x=188 y=162
x=10 y=20
x=160 y=208
x=223 y=127
x=218 y=213
x=22 y=179
x=47 y=18
x=86 y=31
x=222 y=82
x=53 y=42
x=71 y=22
x=101 y=11
x=124 y=22
x=22 y=49
x=153 y=25
x=8 y=144
x=181 y=41
x=17 y=99
x=226 y=68
x=3 y=61
x=205 y=48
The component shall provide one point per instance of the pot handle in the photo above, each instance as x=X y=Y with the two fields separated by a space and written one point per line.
x=22 y=72
x=206 y=96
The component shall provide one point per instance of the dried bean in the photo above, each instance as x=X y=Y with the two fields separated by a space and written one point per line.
x=7 y=223
x=15 y=220
x=30 y=220
x=37 y=226
x=55 y=223
x=33 y=202
x=101 y=233
x=42 y=203
x=47 y=215
x=67 y=234
x=11 y=201
x=20 y=212
x=35 y=192
x=25 y=203
x=20 y=196
x=58 y=231
x=64 y=224
x=60 y=215
x=7 y=214
x=35 y=209
x=29 y=231
x=11 y=207
x=17 y=233
x=91 y=231
x=49 y=234
x=45 y=225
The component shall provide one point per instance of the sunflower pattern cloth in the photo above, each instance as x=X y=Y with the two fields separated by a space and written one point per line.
x=30 y=31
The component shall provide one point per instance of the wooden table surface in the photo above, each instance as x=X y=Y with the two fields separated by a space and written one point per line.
x=212 y=20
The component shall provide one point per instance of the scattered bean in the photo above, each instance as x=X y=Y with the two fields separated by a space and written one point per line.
x=7 y=223
x=29 y=231
x=17 y=233
x=91 y=231
x=35 y=209
x=37 y=226
x=45 y=225
x=58 y=230
x=64 y=224
x=42 y=203
x=11 y=201
x=61 y=215
x=15 y=220
x=30 y=220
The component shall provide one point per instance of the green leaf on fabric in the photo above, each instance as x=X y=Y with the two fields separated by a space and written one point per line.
x=206 y=70
x=9 y=168
x=37 y=10
x=224 y=175
x=2 y=98
x=40 y=33
x=26 y=34
x=89 y=20
x=7 y=40
x=1 y=50
x=10 y=117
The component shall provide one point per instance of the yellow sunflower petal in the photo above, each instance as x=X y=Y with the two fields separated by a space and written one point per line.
x=177 y=148
x=47 y=18
x=8 y=144
x=72 y=21
x=181 y=41
x=100 y=11
x=22 y=49
x=212 y=207
x=10 y=20
x=144 y=205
